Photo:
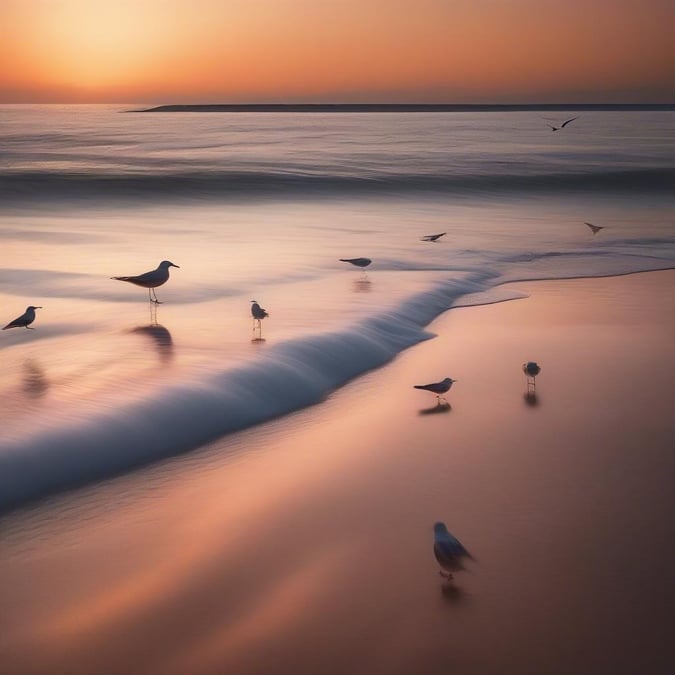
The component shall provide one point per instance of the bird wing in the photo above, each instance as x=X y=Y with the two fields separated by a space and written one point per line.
x=568 y=121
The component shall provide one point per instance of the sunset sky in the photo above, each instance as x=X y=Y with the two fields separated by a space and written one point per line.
x=231 y=51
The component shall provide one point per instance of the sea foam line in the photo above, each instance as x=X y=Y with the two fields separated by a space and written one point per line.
x=291 y=375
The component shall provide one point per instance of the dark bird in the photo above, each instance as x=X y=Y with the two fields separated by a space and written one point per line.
x=258 y=315
x=448 y=551
x=151 y=280
x=357 y=262
x=531 y=370
x=595 y=228
x=24 y=320
x=438 y=388
x=564 y=124
x=433 y=237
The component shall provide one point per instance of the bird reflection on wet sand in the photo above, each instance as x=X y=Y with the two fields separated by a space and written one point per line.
x=362 y=285
x=440 y=407
x=35 y=382
x=531 y=399
x=161 y=337
x=453 y=595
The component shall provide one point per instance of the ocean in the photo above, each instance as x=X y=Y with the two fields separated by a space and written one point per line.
x=261 y=206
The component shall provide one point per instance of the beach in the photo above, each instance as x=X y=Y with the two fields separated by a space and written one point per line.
x=304 y=544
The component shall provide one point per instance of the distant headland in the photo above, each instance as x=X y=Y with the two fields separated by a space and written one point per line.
x=396 y=107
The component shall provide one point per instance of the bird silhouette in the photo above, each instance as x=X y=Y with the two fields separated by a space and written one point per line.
x=531 y=370
x=152 y=279
x=433 y=237
x=258 y=315
x=357 y=262
x=438 y=388
x=25 y=319
x=448 y=550
x=563 y=125
x=595 y=228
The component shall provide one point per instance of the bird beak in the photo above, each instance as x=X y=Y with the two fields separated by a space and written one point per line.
x=172 y=265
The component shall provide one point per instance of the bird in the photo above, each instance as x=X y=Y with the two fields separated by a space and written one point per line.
x=258 y=315
x=448 y=551
x=357 y=262
x=531 y=370
x=438 y=388
x=565 y=123
x=152 y=279
x=595 y=228
x=433 y=237
x=25 y=319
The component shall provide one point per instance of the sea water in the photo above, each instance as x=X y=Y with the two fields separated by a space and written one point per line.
x=261 y=206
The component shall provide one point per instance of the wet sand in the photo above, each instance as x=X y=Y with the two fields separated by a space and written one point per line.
x=305 y=545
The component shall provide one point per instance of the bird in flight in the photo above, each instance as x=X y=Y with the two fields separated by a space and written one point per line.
x=433 y=237
x=448 y=551
x=258 y=315
x=24 y=320
x=152 y=279
x=438 y=388
x=595 y=228
x=563 y=125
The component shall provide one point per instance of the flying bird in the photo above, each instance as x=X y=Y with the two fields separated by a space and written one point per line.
x=531 y=370
x=258 y=315
x=24 y=320
x=433 y=237
x=438 y=388
x=357 y=262
x=151 y=280
x=595 y=228
x=564 y=124
x=448 y=551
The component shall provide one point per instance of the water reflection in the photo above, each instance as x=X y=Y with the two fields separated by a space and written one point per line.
x=161 y=338
x=452 y=594
x=531 y=399
x=440 y=407
x=35 y=382
x=362 y=285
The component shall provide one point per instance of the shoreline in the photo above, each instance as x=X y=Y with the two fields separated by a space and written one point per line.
x=304 y=545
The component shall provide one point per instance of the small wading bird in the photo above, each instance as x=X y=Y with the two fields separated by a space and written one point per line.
x=433 y=237
x=24 y=320
x=438 y=388
x=595 y=228
x=258 y=315
x=564 y=124
x=357 y=262
x=151 y=280
x=448 y=551
x=531 y=370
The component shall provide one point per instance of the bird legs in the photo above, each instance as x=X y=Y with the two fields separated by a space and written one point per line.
x=531 y=384
x=257 y=323
x=151 y=292
x=446 y=575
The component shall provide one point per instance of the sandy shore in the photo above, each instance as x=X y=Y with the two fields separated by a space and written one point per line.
x=305 y=545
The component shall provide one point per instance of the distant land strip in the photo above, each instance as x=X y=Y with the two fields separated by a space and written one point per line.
x=398 y=107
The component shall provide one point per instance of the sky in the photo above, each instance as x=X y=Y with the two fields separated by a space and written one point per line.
x=338 y=51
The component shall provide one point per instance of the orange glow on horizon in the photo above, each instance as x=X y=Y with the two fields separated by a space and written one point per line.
x=377 y=50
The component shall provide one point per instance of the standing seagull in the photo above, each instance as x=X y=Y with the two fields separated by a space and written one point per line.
x=595 y=228
x=531 y=370
x=565 y=123
x=258 y=315
x=433 y=237
x=151 y=280
x=24 y=320
x=438 y=388
x=448 y=551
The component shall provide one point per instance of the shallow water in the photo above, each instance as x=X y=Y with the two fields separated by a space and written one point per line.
x=261 y=207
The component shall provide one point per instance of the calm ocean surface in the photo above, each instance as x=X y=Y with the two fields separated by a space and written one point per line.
x=261 y=206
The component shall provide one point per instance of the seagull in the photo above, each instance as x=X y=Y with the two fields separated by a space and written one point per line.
x=595 y=228
x=151 y=280
x=566 y=122
x=258 y=315
x=24 y=320
x=531 y=370
x=433 y=237
x=448 y=551
x=437 y=388
x=357 y=262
